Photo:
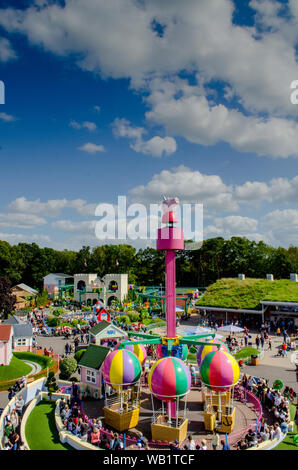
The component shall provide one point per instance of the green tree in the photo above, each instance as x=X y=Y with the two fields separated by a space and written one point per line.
x=7 y=299
x=67 y=367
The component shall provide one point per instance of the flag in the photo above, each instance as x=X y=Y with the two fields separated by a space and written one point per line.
x=117 y=263
x=85 y=264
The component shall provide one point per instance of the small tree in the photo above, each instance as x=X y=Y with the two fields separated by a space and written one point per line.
x=67 y=367
x=51 y=384
x=7 y=299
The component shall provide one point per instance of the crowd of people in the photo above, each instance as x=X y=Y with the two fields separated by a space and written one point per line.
x=87 y=429
x=12 y=440
x=277 y=406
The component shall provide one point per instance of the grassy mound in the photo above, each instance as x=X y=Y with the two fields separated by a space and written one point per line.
x=247 y=294
x=246 y=352
x=14 y=370
x=43 y=361
x=41 y=432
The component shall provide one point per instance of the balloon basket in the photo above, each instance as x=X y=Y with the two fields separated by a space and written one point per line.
x=162 y=431
x=213 y=398
x=121 y=411
x=219 y=410
x=227 y=421
x=121 y=421
x=209 y=421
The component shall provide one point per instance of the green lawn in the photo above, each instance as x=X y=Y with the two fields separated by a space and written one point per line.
x=233 y=293
x=41 y=431
x=287 y=443
x=245 y=352
x=14 y=370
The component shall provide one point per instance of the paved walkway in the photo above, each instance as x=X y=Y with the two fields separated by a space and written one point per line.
x=35 y=368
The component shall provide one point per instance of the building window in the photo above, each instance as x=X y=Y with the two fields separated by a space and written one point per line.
x=90 y=376
x=21 y=342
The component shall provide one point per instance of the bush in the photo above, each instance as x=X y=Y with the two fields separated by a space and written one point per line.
x=134 y=317
x=67 y=367
x=58 y=311
x=124 y=319
x=53 y=322
x=78 y=355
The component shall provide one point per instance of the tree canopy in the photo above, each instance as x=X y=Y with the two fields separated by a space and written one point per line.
x=217 y=258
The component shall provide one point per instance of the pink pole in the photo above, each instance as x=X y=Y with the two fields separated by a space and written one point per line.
x=170 y=293
x=170 y=262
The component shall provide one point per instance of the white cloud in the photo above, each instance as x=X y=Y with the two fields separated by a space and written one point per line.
x=91 y=126
x=197 y=36
x=22 y=238
x=50 y=208
x=7 y=117
x=189 y=186
x=185 y=111
x=73 y=227
x=89 y=147
x=234 y=224
x=256 y=64
x=156 y=146
x=19 y=220
x=283 y=226
x=6 y=51
x=278 y=190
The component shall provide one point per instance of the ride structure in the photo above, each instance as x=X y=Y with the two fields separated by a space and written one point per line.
x=169 y=378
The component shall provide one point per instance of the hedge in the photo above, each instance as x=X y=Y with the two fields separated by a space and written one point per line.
x=43 y=361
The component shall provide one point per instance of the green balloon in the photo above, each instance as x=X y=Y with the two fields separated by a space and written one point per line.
x=278 y=384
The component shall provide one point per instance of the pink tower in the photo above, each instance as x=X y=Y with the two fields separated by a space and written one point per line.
x=170 y=239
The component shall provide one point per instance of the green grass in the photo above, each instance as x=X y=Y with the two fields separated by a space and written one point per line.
x=245 y=352
x=14 y=370
x=43 y=361
x=287 y=443
x=247 y=294
x=41 y=432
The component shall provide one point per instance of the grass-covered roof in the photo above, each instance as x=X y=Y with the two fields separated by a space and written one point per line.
x=247 y=294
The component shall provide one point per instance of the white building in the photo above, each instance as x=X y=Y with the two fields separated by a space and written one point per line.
x=52 y=282
x=88 y=288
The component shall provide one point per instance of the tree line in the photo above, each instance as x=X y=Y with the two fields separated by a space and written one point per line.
x=217 y=258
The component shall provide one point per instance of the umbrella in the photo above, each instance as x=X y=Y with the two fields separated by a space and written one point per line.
x=197 y=330
x=179 y=309
x=231 y=329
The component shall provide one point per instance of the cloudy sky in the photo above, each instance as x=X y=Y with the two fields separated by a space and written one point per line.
x=143 y=98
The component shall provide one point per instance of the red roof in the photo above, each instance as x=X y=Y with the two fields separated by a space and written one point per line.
x=5 y=332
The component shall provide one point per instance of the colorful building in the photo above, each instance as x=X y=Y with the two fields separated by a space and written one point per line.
x=104 y=332
x=22 y=334
x=24 y=295
x=90 y=370
x=5 y=344
x=52 y=282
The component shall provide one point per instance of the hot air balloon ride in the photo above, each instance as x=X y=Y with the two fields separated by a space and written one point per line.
x=121 y=372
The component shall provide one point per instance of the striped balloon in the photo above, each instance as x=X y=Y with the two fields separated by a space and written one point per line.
x=206 y=349
x=219 y=371
x=121 y=369
x=138 y=349
x=169 y=378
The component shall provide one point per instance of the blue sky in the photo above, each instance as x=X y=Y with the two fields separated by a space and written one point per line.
x=101 y=103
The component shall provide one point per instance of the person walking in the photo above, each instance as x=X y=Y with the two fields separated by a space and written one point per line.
x=215 y=440
x=257 y=341
x=269 y=344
